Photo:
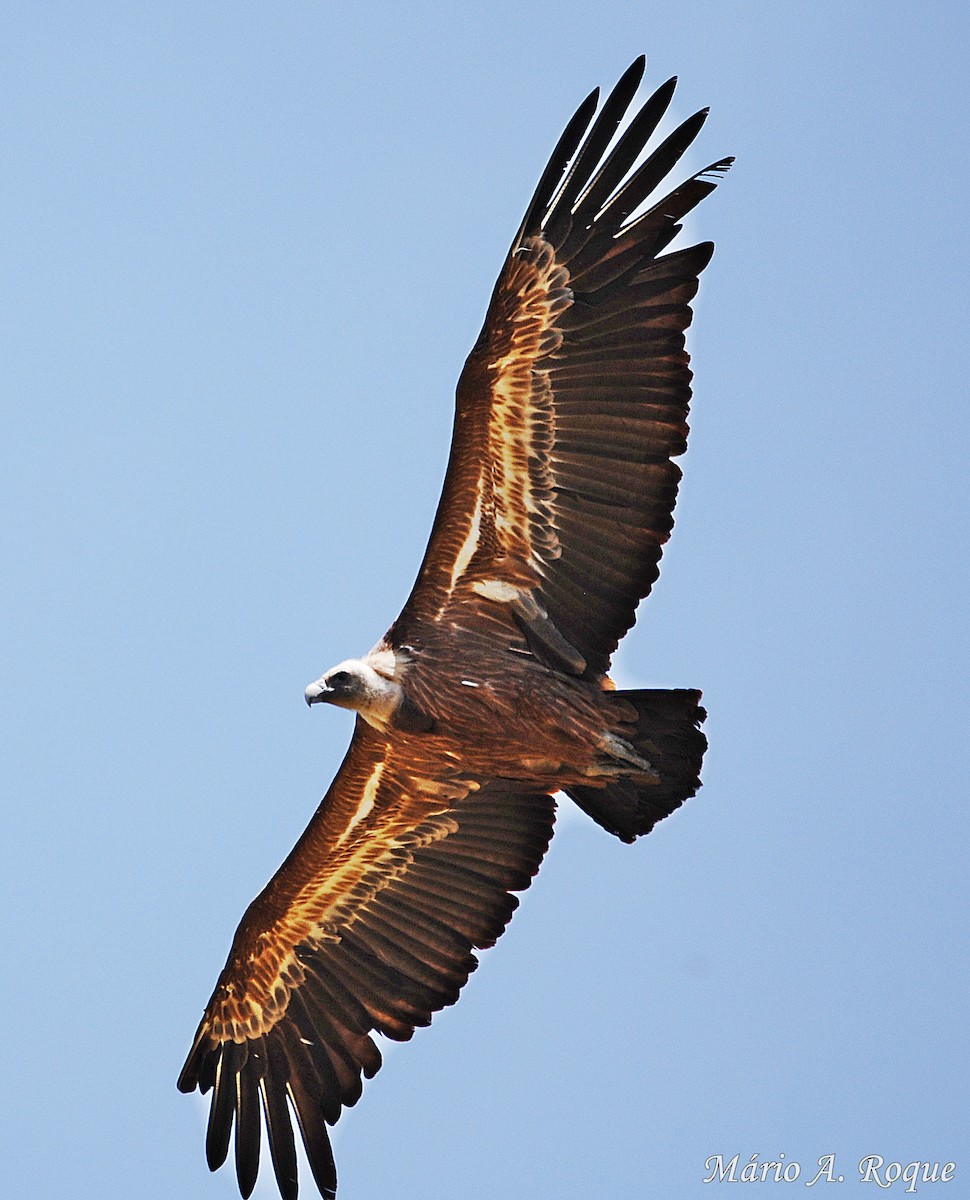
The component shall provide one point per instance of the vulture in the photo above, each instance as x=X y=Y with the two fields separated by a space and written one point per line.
x=490 y=693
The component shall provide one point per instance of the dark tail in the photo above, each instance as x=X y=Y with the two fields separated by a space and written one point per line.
x=666 y=732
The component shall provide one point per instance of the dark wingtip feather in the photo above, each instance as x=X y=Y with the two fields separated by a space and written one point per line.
x=624 y=154
x=721 y=167
x=316 y=1139
x=279 y=1130
x=247 y=1134
x=590 y=154
x=188 y=1079
x=704 y=252
x=653 y=170
x=221 y=1111
x=630 y=80
x=559 y=160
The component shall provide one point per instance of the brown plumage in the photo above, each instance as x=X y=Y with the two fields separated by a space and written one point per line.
x=489 y=693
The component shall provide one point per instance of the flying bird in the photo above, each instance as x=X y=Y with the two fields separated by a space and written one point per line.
x=490 y=693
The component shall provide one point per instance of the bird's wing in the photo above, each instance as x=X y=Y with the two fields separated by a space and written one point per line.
x=560 y=487
x=369 y=925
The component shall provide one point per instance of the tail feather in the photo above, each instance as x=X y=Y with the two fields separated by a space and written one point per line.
x=666 y=732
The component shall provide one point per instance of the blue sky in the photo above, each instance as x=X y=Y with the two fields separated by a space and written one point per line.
x=246 y=248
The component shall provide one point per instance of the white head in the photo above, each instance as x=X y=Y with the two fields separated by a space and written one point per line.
x=356 y=685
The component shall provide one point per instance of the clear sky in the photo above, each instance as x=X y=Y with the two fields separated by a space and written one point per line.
x=245 y=250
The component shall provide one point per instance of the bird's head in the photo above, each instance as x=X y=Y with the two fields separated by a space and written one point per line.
x=348 y=685
x=368 y=687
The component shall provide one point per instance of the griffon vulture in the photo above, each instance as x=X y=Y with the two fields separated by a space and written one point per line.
x=489 y=693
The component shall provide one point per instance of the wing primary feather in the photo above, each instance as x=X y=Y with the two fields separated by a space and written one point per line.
x=661 y=217
x=196 y=1062
x=593 y=148
x=628 y=263
x=651 y=173
x=279 y=1127
x=316 y=1139
x=221 y=1110
x=346 y=1052
x=247 y=1132
x=312 y=1061
x=675 y=205
x=324 y=1040
x=626 y=152
x=207 y=1071
x=572 y=135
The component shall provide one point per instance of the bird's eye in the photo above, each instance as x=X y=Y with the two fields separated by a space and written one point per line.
x=339 y=679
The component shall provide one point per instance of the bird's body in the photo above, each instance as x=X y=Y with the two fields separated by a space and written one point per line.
x=490 y=692
x=554 y=726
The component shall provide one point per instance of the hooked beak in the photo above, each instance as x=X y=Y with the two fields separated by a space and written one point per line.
x=318 y=693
